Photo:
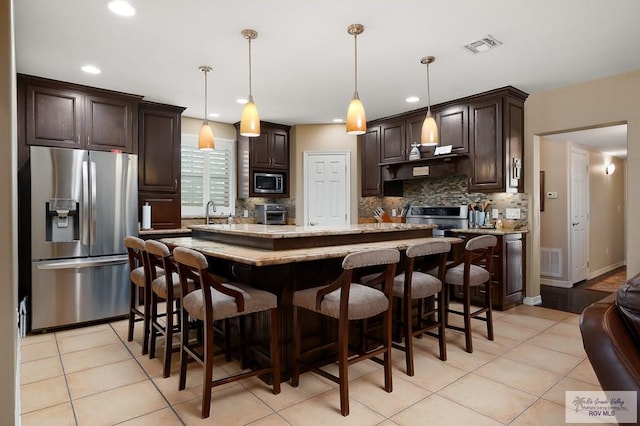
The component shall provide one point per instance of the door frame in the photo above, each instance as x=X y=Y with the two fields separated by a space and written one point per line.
x=306 y=156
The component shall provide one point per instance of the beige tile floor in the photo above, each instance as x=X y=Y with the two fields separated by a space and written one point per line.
x=93 y=376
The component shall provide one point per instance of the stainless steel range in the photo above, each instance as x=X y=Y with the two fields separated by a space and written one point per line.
x=452 y=217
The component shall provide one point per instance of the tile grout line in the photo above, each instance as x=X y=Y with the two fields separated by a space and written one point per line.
x=66 y=382
x=148 y=377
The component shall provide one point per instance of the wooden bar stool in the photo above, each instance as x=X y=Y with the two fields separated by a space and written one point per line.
x=213 y=301
x=345 y=301
x=473 y=269
x=165 y=285
x=139 y=282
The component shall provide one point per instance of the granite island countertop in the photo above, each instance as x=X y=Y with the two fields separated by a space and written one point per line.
x=263 y=257
x=283 y=237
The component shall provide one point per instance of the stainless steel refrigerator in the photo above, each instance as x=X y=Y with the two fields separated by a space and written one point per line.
x=83 y=204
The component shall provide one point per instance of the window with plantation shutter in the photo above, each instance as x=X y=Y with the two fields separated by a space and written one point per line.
x=207 y=175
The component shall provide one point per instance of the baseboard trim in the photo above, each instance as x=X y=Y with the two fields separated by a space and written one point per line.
x=556 y=283
x=602 y=271
x=533 y=301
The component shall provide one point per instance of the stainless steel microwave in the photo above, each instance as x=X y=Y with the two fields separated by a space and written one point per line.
x=268 y=183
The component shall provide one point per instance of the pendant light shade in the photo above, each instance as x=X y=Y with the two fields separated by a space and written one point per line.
x=429 y=135
x=205 y=137
x=356 y=119
x=250 y=120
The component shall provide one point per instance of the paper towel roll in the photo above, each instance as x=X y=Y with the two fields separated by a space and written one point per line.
x=146 y=216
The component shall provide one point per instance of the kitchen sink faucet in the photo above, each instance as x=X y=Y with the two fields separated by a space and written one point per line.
x=208 y=210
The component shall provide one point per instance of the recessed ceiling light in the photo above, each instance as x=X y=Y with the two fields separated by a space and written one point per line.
x=121 y=7
x=412 y=99
x=338 y=120
x=242 y=100
x=214 y=115
x=90 y=69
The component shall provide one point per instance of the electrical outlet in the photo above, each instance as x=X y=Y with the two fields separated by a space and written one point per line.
x=245 y=213
x=495 y=213
x=512 y=213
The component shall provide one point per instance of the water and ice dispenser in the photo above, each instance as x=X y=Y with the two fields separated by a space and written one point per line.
x=62 y=220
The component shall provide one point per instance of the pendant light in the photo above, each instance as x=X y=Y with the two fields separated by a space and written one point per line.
x=356 y=120
x=429 y=135
x=250 y=120
x=205 y=138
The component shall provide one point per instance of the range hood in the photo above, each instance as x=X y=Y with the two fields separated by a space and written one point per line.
x=437 y=166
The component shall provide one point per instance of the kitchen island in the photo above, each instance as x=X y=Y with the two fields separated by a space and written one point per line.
x=284 y=237
x=282 y=272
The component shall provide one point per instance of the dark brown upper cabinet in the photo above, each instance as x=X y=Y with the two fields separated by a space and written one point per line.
x=73 y=116
x=370 y=157
x=109 y=123
x=268 y=152
x=453 y=128
x=393 y=144
x=496 y=138
x=159 y=161
x=372 y=184
x=486 y=134
x=54 y=117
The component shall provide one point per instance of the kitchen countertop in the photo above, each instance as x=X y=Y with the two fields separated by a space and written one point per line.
x=261 y=257
x=284 y=237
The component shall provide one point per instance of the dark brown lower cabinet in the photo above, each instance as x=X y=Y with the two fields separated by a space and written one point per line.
x=507 y=271
x=165 y=209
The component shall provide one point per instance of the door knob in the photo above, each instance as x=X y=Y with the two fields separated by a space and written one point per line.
x=575 y=223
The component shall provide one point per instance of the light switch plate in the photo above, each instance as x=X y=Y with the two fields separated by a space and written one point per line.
x=512 y=213
x=245 y=213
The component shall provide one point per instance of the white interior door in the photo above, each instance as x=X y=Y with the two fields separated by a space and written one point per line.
x=326 y=188
x=579 y=215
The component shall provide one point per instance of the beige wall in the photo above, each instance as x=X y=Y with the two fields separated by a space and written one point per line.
x=9 y=399
x=220 y=130
x=322 y=137
x=610 y=100
x=607 y=214
x=554 y=160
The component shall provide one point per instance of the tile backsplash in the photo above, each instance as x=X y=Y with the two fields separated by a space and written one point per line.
x=445 y=191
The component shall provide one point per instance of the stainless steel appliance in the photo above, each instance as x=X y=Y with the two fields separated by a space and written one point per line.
x=271 y=214
x=453 y=217
x=83 y=204
x=268 y=183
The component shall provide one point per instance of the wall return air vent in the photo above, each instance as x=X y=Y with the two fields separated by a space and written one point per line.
x=485 y=43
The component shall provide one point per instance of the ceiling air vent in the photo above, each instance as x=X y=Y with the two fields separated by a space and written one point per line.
x=484 y=44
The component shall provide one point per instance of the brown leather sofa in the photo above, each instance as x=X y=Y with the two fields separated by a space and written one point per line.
x=611 y=337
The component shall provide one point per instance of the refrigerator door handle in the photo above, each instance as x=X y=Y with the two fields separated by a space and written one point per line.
x=75 y=264
x=85 y=204
x=93 y=203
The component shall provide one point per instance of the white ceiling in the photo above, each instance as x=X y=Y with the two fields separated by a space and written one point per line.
x=303 y=56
